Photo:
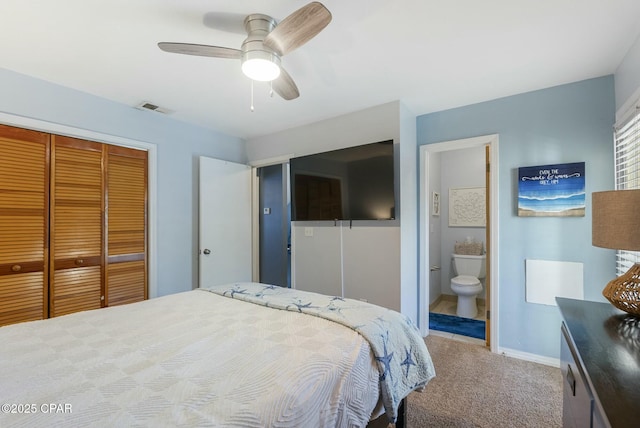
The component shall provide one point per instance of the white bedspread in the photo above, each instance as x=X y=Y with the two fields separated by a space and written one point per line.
x=403 y=359
x=189 y=359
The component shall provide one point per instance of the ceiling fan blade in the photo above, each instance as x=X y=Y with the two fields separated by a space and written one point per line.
x=298 y=28
x=200 y=50
x=285 y=86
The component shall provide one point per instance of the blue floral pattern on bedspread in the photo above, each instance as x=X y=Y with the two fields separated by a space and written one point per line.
x=403 y=360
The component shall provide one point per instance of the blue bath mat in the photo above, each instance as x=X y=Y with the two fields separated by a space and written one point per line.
x=458 y=325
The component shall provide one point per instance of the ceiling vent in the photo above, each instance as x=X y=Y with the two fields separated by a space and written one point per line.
x=153 y=107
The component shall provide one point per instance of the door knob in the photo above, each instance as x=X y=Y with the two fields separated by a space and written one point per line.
x=207 y=251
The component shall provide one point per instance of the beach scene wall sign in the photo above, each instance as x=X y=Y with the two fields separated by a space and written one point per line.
x=551 y=190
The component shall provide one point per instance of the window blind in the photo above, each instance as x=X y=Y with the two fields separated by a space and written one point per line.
x=627 y=170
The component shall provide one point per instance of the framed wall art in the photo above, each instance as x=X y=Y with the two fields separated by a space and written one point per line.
x=551 y=190
x=467 y=207
x=435 y=204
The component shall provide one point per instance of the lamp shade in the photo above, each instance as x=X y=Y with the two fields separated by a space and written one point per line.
x=616 y=219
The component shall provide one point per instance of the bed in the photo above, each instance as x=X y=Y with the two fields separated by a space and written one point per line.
x=235 y=355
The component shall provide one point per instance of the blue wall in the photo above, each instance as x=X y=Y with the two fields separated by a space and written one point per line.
x=569 y=123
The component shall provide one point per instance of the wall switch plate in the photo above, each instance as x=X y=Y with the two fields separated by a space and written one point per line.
x=308 y=231
x=266 y=211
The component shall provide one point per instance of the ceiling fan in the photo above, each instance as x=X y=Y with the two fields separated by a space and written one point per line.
x=267 y=41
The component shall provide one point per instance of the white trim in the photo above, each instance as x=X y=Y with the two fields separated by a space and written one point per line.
x=457 y=337
x=152 y=165
x=507 y=352
x=424 y=206
x=423 y=244
x=526 y=356
x=271 y=161
x=255 y=225
x=255 y=207
x=342 y=260
x=293 y=257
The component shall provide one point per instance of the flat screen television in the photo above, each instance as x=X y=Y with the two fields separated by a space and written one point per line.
x=354 y=183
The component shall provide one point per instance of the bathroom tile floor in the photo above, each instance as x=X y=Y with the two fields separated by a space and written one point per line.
x=449 y=308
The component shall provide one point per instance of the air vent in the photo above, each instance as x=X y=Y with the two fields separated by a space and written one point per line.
x=153 y=107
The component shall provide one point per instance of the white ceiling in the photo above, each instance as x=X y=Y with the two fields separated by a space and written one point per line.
x=430 y=54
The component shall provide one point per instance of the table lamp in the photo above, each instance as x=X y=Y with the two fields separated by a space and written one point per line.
x=616 y=224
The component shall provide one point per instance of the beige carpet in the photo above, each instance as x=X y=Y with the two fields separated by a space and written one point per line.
x=476 y=388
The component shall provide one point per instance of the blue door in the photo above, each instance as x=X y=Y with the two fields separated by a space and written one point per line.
x=274 y=225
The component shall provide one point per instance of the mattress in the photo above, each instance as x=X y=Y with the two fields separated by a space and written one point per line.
x=189 y=359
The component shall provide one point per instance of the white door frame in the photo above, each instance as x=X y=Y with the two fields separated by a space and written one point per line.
x=424 y=203
x=255 y=198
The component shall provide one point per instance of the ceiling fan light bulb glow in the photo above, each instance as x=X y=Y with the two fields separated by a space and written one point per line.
x=260 y=69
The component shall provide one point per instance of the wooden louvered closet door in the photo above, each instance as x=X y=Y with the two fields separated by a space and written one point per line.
x=76 y=229
x=73 y=225
x=24 y=202
x=126 y=225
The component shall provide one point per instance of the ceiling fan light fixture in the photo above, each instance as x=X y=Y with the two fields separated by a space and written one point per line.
x=261 y=66
x=260 y=69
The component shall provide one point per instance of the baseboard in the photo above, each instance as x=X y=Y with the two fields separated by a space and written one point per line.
x=435 y=303
x=442 y=298
x=526 y=356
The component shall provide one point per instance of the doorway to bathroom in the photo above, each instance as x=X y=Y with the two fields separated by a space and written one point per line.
x=458 y=205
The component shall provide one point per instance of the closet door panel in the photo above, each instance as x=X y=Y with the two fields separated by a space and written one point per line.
x=24 y=195
x=22 y=297
x=126 y=282
x=126 y=226
x=21 y=237
x=78 y=201
x=77 y=204
x=76 y=290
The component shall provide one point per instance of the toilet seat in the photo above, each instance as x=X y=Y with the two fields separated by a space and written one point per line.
x=465 y=280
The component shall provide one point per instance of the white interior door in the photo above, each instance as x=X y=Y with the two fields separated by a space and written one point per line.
x=225 y=222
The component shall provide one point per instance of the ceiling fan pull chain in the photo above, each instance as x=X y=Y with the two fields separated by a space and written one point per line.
x=271 y=90
x=252 y=96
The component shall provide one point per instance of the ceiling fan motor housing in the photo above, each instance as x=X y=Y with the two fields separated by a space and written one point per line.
x=258 y=26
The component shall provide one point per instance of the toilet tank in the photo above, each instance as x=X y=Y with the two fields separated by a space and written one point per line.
x=470 y=265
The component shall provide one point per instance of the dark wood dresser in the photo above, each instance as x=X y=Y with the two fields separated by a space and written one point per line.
x=600 y=363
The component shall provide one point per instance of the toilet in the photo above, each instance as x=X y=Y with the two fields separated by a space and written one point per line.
x=466 y=284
